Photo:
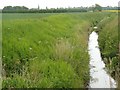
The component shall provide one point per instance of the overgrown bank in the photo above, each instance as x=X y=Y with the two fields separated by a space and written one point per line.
x=108 y=41
x=46 y=50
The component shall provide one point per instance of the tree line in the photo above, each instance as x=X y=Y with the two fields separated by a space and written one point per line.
x=23 y=9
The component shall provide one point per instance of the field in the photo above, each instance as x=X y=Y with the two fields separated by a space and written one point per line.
x=47 y=50
x=111 y=11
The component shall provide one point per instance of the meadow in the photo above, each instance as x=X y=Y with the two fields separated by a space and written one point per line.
x=47 y=50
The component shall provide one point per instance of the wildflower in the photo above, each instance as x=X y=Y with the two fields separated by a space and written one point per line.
x=4 y=56
x=30 y=48
x=95 y=27
x=19 y=38
x=8 y=28
x=61 y=38
x=39 y=41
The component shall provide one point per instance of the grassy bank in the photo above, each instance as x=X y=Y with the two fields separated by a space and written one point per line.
x=47 y=50
x=108 y=41
x=0 y=50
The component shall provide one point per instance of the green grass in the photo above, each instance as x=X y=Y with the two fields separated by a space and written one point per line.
x=109 y=45
x=47 y=50
x=0 y=50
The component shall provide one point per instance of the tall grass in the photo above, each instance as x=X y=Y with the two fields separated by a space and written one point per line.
x=47 y=51
x=0 y=51
x=108 y=40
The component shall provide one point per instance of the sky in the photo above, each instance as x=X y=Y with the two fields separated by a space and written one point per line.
x=57 y=3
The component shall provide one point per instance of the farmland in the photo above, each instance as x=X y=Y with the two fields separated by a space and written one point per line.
x=50 y=50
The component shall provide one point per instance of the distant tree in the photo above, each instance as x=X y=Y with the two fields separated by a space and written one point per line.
x=15 y=9
x=7 y=8
x=97 y=7
x=23 y=9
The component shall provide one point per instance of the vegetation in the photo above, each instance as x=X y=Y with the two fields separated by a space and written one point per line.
x=0 y=50
x=97 y=8
x=23 y=9
x=47 y=50
x=15 y=8
x=108 y=40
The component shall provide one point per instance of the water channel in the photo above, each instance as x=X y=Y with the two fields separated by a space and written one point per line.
x=99 y=76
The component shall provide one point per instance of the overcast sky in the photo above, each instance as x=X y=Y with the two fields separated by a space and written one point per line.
x=56 y=3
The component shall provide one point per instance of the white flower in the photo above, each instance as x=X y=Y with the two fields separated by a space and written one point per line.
x=19 y=38
x=8 y=28
x=61 y=38
x=95 y=27
x=30 y=48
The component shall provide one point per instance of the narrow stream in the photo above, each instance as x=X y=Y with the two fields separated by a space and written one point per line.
x=99 y=76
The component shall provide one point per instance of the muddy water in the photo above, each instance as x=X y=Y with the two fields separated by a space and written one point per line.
x=99 y=76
